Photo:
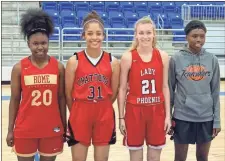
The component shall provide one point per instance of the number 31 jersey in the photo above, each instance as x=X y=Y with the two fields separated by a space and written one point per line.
x=146 y=80
x=92 y=82
x=38 y=114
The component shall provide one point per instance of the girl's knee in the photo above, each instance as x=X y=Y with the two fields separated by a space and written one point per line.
x=102 y=158
x=201 y=157
x=46 y=158
x=180 y=157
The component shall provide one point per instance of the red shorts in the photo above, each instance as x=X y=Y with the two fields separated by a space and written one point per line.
x=145 y=123
x=92 y=121
x=27 y=147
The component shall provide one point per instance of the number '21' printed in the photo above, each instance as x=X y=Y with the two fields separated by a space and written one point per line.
x=145 y=86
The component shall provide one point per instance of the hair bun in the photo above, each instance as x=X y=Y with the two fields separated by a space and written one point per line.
x=93 y=15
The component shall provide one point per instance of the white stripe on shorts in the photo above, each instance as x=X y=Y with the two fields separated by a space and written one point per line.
x=156 y=147
x=132 y=147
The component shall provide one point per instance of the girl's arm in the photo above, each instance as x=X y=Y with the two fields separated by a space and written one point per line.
x=61 y=95
x=115 y=78
x=125 y=65
x=69 y=80
x=15 y=95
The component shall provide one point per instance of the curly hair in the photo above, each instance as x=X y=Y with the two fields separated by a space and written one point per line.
x=36 y=20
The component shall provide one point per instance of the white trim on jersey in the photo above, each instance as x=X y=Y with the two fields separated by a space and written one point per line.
x=94 y=61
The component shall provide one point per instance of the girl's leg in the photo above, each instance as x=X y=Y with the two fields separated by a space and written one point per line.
x=136 y=155
x=202 y=151
x=79 y=152
x=153 y=154
x=101 y=153
x=181 y=151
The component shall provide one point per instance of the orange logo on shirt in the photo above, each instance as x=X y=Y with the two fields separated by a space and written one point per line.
x=195 y=72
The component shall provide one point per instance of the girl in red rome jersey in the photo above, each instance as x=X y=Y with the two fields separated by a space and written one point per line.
x=92 y=80
x=147 y=116
x=37 y=106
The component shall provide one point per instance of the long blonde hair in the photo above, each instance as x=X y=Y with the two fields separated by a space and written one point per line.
x=143 y=20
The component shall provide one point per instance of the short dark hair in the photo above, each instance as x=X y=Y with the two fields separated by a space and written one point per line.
x=36 y=20
x=194 y=24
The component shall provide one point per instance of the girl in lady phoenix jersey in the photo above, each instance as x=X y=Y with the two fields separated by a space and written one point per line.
x=147 y=116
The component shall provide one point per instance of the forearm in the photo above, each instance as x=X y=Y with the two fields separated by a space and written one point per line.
x=69 y=102
x=216 y=119
x=62 y=107
x=216 y=106
x=166 y=94
x=114 y=96
x=121 y=102
x=215 y=90
x=13 y=110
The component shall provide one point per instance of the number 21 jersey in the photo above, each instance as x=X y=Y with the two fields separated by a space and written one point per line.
x=146 y=80
x=38 y=114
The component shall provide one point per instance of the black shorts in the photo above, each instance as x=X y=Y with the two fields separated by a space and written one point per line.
x=186 y=132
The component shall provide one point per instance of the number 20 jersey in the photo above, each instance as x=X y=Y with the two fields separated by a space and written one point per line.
x=38 y=114
x=92 y=82
x=146 y=80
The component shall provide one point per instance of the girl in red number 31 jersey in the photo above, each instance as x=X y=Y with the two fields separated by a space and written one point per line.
x=92 y=79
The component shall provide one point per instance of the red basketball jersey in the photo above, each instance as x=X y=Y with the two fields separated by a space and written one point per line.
x=146 y=80
x=38 y=115
x=92 y=82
